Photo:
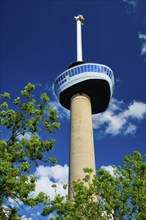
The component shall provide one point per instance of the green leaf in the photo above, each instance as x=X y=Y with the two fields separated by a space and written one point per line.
x=53 y=160
x=6 y=95
x=44 y=97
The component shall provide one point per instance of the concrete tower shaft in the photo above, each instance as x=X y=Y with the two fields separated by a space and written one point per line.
x=81 y=138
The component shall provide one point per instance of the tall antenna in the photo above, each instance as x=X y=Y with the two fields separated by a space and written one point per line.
x=79 y=20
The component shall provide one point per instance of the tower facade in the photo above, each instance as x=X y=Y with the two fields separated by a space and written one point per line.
x=85 y=89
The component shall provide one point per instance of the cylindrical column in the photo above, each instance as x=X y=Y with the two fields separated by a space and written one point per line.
x=81 y=138
x=79 y=41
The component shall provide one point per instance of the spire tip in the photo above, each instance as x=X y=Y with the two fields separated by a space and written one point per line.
x=79 y=17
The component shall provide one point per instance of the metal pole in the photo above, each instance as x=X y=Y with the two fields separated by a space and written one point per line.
x=79 y=20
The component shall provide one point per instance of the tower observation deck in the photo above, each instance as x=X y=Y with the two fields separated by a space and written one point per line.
x=95 y=80
x=84 y=88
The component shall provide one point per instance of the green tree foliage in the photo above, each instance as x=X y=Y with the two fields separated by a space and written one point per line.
x=120 y=196
x=21 y=147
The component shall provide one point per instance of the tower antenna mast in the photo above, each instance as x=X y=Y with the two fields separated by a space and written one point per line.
x=79 y=21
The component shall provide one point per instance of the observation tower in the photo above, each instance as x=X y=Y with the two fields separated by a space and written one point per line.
x=85 y=89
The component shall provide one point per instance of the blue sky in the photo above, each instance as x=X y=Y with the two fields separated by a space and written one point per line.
x=38 y=42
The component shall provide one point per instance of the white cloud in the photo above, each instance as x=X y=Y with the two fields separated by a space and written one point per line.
x=47 y=176
x=143 y=47
x=6 y=210
x=25 y=218
x=26 y=135
x=14 y=202
x=38 y=84
x=58 y=173
x=118 y=80
x=119 y=118
x=131 y=5
x=49 y=87
x=136 y=110
x=62 y=112
x=109 y=168
x=131 y=129
x=142 y=36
